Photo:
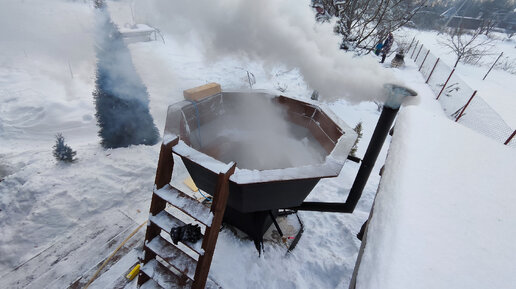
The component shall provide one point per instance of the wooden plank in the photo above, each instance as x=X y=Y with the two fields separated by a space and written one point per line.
x=210 y=240
x=165 y=164
x=161 y=275
x=133 y=244
x=166 y=222
x=324 y=140
x=185 y=203
x=327 y=125
x=115 y=276
x=57 y=264
x=151 y=284
x=173 y=256
x=296 y=106
x=202 y=112
x=210 y=284
x=200 y=92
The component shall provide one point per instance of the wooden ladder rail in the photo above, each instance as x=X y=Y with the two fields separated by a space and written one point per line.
x=158 y=204
x=218 y=207
x=163 y=177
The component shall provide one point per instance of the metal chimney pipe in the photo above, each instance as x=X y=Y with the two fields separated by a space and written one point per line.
x=390 y=109
x=396 y=95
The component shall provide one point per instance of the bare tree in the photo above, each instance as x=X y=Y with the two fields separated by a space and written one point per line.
x=467 y=45
x=364 y=23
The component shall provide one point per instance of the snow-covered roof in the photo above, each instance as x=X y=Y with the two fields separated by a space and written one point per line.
x=445 y=212
x=136 y=28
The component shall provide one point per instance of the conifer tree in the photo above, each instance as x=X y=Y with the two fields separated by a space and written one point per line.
x=358 y=130
x=121 y=98
x=63 y=152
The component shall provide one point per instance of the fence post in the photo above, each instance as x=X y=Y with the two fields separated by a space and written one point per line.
x=415 y=59
x=415 y=47
x=426 y=55
x=431 y=72
x=413 y=38
x=446 y=83
x=492 y=66
x=466 y=106
x=510 y=138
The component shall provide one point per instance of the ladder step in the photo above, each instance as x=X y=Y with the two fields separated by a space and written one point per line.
x=163 y=277
x=173 y=256
x=185 y=203
x=210 y=284
x=166 y=221
x=150 y=284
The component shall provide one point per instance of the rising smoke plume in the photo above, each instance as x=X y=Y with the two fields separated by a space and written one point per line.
x=275 y=31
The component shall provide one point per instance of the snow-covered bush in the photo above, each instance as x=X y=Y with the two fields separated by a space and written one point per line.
x=507 y=64
x=358 y=130
x=63 y=152
x=121 y=98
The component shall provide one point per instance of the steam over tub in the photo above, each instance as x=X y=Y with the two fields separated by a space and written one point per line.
x=282 y=148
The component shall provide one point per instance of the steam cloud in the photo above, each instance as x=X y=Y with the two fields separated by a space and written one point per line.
x=254 y=132
x=56 y=29
x=277 y=32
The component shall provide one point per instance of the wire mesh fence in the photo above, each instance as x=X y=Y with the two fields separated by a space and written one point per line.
x=420 y=55
x=428 y=65
x=482 y=118
x=459 y=101
x=439 y=77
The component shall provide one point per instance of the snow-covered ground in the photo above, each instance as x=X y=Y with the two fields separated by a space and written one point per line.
x=57 y=219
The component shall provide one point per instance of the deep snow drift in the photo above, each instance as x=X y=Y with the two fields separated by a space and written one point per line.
x=442 y=226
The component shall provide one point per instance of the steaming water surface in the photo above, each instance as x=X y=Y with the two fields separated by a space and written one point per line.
x=258 y=147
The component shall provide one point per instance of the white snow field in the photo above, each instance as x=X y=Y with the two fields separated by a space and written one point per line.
x=60 y=221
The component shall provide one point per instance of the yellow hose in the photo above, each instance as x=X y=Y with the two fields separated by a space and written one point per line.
x=113 y=254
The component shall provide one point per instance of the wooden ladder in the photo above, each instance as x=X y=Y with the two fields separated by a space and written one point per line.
x=160 y=255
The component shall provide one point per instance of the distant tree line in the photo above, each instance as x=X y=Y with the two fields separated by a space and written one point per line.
x=489 y=13
x=364 y=23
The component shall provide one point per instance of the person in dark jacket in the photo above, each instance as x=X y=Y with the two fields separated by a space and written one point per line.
x=378 y=48
x=387 y=46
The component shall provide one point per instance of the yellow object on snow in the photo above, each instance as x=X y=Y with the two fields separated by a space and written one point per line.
x=133 y=272
x=190 y=184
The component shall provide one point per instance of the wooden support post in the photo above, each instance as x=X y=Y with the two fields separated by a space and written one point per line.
x=415 y=47
x=492 y=66
x=466 y=106
x=210 y=240
x=431 y=72
x=411 y=42
x=446 y=83
x=426 y=55
x=415 y=59
x=510 y=138
x=165 y=164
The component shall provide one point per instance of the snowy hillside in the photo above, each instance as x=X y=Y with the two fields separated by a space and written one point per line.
x=60 y=221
